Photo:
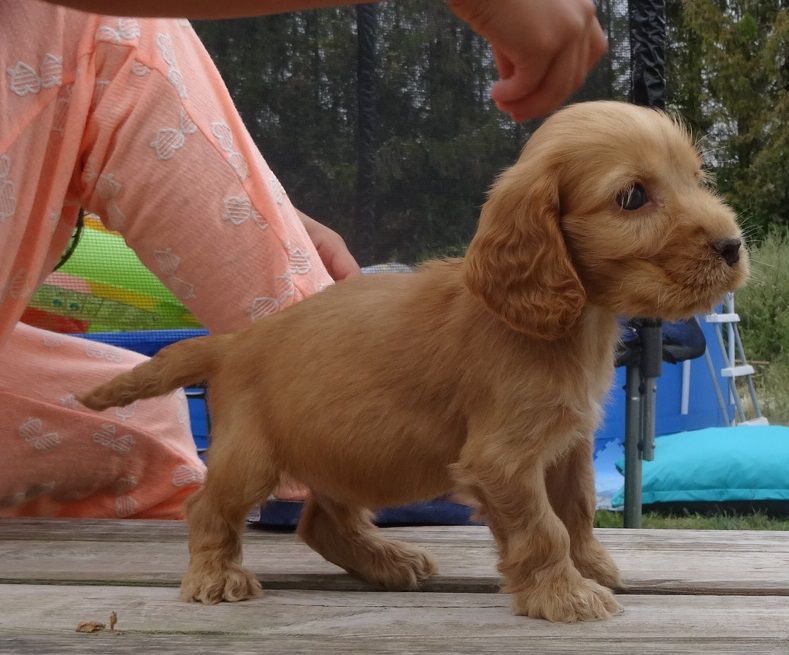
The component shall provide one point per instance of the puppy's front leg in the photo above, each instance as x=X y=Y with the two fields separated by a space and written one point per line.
x=570 y=483
x=534 y=547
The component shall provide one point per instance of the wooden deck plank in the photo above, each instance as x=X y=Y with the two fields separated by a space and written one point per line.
x=155 y=553
x=615 y=538
x=178 y=644
x=86 y=569
x=41 y=620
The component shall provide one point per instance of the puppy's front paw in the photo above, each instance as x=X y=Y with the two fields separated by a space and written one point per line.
x=567 y=600
x=396 y=566
x=211 y=585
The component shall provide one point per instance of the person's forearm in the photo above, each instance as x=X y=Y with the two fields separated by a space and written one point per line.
x=199 y=8
x=543 y=49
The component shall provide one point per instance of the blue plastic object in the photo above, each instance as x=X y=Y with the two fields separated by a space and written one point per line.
x=285 y=514
x=145 y=342
x=717 y=465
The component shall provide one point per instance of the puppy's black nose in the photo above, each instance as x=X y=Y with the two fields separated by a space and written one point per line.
x=729 y=249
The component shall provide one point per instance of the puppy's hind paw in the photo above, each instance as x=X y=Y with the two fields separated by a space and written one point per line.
x=595 y=563
x=396 y=566
x=212 y=585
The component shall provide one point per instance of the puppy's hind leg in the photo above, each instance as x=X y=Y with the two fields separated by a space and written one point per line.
x=240 y=473
x=345 y=536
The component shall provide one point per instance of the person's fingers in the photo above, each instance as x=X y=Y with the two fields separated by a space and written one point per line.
x=336 y=257
x=598 y=45
x=344 y=265
x=579 y=66
x=556 y=86
x=520 y=83
x=504 y=64
x=519 y=96
x=331 y=247
x=566 y=73
x=534 y=41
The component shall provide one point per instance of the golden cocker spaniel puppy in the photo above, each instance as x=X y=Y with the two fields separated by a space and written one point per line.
x=483 y=375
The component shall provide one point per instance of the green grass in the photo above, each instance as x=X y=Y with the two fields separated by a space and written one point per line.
x=772 y=389
x=756 y=521
x=763 y=301
x=762 y=305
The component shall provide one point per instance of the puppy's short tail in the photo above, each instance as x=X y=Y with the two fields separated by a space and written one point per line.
x=183 y=363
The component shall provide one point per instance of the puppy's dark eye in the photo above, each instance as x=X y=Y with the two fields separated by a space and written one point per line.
x=632 y=198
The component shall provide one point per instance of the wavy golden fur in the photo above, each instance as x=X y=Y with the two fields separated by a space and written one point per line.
x=483 y=376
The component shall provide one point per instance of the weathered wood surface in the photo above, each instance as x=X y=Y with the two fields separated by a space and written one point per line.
x=688 y=592
x=41 y=619
x=155 y=553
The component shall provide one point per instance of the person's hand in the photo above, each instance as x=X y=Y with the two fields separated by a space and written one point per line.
x=331 y=247
x=543 y=49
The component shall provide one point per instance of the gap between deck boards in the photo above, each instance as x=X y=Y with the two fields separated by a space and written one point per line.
x=347 y=583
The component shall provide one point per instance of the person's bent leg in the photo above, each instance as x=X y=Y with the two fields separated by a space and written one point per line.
x=60 y=459
x=130 y=119
x=169 y=164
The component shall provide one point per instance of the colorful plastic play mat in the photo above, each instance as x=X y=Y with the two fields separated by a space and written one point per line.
x=103 y=287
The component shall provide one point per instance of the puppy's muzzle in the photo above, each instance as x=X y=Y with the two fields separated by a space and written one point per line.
x=728 y=249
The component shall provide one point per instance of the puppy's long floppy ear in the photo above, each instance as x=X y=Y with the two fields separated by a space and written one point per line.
x=518 y=263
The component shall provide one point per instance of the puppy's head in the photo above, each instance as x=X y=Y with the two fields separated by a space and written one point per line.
x=607 y=205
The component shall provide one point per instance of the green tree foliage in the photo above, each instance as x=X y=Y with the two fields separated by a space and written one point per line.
x=764 y=301
x=728 y=76
x=762 y=304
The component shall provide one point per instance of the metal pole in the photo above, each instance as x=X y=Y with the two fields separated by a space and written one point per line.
x=648 y=88
x=651 y=366
x=632 y=448
x=365 y=228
